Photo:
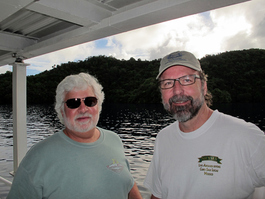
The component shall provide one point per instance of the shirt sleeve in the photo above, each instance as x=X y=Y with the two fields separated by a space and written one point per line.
x=23 y=188
x=258 y=161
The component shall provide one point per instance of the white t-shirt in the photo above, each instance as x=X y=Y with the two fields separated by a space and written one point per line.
x=224 y=158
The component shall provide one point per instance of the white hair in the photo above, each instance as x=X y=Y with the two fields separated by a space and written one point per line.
x=80 y=81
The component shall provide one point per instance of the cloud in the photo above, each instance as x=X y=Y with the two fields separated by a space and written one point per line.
x=243 y=25
x=157 y=40
x=234 y=27
x=256 y=16
x=4 y=69
x=75 y=53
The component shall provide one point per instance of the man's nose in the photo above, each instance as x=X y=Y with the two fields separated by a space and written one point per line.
x=82 y=106
x=177 y=88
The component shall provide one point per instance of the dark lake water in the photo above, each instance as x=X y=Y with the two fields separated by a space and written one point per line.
x=137 y=126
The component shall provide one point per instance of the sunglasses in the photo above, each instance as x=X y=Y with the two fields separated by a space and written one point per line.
x=76 y=102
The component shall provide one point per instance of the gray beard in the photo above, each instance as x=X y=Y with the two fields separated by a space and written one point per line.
x=184 y=113
x=76 y=126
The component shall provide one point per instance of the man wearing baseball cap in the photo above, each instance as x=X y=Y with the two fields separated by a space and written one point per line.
x=204 y=153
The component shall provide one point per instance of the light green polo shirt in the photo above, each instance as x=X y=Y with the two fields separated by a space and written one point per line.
x=61 y=168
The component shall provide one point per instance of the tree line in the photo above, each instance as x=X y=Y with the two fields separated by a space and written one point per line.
x=233 y=77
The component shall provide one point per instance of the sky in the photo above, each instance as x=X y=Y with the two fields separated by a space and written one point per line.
x=236 y=27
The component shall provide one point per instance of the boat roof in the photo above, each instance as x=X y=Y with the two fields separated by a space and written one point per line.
x=29 y=28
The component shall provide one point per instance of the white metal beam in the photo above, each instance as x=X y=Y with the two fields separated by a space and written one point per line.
x=78 y=11
x=9 y=7
x=7 y=182
x=12 y=42
x=19 y=113
x=163 y=10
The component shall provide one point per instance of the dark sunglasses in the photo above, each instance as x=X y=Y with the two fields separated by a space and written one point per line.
x=76 y=102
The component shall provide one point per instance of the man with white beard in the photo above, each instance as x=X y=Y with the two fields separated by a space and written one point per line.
x=205 y=154
x=82 y=161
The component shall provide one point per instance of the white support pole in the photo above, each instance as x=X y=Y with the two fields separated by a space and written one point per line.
x=7 y=182
x=19 y=113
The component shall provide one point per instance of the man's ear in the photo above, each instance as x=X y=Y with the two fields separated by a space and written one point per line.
x=62 y=112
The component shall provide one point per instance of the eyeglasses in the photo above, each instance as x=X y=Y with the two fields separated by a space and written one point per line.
x=184 y=81
x=76 y=102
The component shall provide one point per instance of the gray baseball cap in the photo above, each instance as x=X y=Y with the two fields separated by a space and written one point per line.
x=182 y=58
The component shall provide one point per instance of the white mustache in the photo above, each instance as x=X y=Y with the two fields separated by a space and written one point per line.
x=83 y=115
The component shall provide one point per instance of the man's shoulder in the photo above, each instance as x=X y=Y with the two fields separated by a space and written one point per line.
x=235 y=121
x=108 y=133
x=169 y=128
x=234 y=126
x=46 y=143
x=41 y=151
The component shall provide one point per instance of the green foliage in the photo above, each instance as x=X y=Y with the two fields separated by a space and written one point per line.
x=6 y=88
x=221 y=96
x=236 y=76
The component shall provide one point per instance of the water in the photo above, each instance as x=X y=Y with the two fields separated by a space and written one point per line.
x=137 y=126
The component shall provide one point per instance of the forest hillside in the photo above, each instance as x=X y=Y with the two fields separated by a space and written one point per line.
x=233 y=77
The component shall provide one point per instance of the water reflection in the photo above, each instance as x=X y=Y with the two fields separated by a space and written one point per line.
x=137 y=126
